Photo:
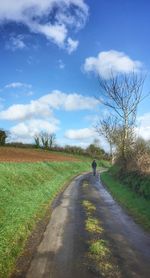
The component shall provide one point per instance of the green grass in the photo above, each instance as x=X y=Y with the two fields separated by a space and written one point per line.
x=137 y=206
x=135 y=180
x=100 y=256
x=104 y=163
x=92 y=225
x=26 y=190
x=99 y=248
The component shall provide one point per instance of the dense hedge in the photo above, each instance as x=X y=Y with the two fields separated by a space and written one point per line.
x=136 y=181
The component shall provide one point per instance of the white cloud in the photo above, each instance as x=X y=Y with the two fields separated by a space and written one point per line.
x=19 y=70
x=69 y=102
x=57 y=33
x=84 y=137
x=61 y=65
x=25 y=111
x=29 y=128
x=79 y=102
x=143 y=128
x=72 y=45
x=80 y=134
x=58 y=18
x=29 y=93
x=111 y=61
x=77 y=19
x=44 y=106
x=16 y=42
x=15 y=85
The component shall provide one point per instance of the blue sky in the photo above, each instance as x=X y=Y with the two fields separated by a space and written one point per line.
x=51 y=53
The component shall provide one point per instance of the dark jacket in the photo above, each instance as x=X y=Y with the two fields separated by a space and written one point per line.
x=94 y=165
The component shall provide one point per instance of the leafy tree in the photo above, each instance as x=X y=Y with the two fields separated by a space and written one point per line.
x=3 y=136
x=95 y=150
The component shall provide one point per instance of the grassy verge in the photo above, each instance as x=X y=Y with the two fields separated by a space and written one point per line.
x=104 y=163
x=26 y=190
x=137 y=206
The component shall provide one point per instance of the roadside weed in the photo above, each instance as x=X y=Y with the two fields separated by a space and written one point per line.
x=99 y=256
x=92 y=225
x=99 y=248
x=88 y=206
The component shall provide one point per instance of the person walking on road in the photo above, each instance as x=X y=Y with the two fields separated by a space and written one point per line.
x=94 y=165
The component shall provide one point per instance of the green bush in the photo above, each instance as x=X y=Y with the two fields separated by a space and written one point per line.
x=145 y=188
x=136 y=181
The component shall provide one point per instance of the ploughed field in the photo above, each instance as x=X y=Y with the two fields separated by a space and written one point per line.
x=12 y=154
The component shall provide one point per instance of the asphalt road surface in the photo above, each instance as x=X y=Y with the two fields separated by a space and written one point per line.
x=61 y=253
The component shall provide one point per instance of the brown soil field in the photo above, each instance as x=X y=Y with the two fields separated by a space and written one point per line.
x=11 y=154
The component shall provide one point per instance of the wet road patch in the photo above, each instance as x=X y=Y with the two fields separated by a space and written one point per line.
x=99 y=257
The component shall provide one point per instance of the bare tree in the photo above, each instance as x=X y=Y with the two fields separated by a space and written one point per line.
x=107 y=128
x=45 y=139
x=122 y=94
x=37 y=140
x=52 y=140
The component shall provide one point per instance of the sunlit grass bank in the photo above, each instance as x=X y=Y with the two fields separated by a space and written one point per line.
x=26 y=190
x=136 y=205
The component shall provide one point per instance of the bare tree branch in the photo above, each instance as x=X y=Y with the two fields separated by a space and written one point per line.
x=122 y=94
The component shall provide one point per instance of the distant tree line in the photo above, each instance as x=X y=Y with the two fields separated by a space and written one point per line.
x=47 y=141
x=91 y=151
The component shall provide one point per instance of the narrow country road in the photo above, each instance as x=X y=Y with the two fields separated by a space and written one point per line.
x=62 y=251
